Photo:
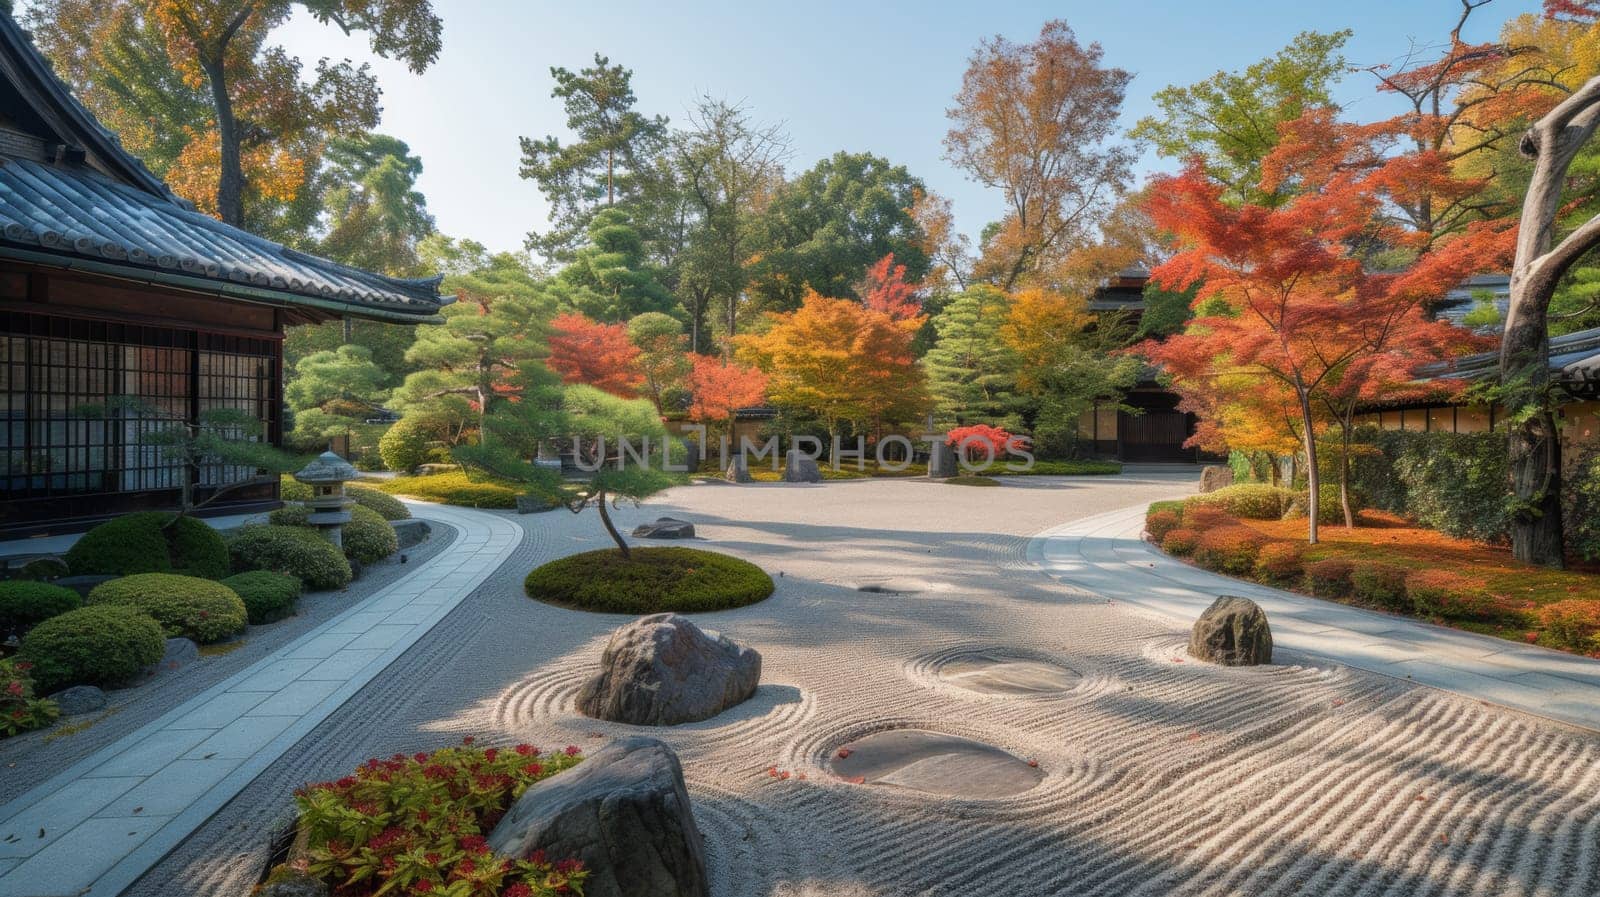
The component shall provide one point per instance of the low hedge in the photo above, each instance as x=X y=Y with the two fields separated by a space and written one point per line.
x=1229 y=549
x=454 y=488
x=387 y=506
x=368 y=538
x=104 y=644
x=1250 y=501
x=1572 y=625
x=1450 y=596
x=1329 y=578
x=1381 y=584
x=20 y=707
x=24 y=603
x=1281 y=562
x=291 y=489
x=1180 y=541
x=652 y=580
x=293 y=550
x=185 y=606
x=150 y=542
x=267 y=596
x=1205 y=517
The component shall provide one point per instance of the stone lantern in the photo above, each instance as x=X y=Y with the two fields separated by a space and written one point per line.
x=330 y=509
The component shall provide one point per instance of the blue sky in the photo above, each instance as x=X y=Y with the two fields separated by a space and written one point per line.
x=857 y=76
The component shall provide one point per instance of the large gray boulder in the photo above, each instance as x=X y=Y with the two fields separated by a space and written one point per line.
x=801 y=468
x=662 y=670
x=624 y=812
x=1232 y=632
x=665 y=528
x=1214 y=477
x=942 y=460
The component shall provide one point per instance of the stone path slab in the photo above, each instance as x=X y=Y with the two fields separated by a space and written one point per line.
x=1105 y=555
x=100 y=824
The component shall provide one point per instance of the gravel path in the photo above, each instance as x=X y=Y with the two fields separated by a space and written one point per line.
x=36 y=756
x=1161 y=776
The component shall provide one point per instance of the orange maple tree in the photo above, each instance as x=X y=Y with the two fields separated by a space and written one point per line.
x=720 y=388
x=583 y=350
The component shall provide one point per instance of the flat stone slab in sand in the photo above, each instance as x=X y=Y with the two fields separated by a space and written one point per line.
x=934 y=763
x=997 y=674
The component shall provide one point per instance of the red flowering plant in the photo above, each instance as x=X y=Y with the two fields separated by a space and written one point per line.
x=20 y=711
x=418 y=825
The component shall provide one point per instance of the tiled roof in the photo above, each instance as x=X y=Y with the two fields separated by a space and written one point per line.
x=81 y=213
x=1570 y=355
x=118 y=217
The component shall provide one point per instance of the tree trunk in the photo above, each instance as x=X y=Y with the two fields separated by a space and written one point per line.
x=1344 y=473
x=605 y=518
x=1313 y=481
x=230 y=182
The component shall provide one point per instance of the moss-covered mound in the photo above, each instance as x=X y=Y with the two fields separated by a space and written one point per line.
x=185 y=606
x=972 y=480
x=651 y=580
x=99 y=645
x=368 y=538
x=24 y=603
x=293 y=550
x=151 y=542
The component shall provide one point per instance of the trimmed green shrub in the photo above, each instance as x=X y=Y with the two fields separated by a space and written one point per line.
x=403 y=446
x=1280 y=562
x=1381 y=584
x=151 y=542
x=387 y=506
x=1329 y=578
x=291 y=489
x=1174 y=505
x=1159 y=523
x=652 y=580
x=291 y=515
x=294 y=550
x=24 y=603
x=1250 y=501
x=1450 y=595
x=20 y=709
x=368 y=538
x=46 y=568
x=1179 y=541
x=103 y=644
x=185 y=606
x=267 y=596
x=1330 y=511
x=1229 y=549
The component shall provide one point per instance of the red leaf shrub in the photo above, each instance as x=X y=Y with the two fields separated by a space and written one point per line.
x=1329 y=578
x=418 y=825
x=1204 y=516
x=1179 y=541
x=1381 y=584
x=1229 y=549
x=1280 y=561
x=19 y=709
x=980 y=441
x=1452 y=596
x=1572 y=625
x=1159 y=523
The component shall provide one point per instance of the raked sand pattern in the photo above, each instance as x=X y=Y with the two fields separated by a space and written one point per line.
x=1157 y=775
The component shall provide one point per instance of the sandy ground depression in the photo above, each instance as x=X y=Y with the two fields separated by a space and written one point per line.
x=1155 y=775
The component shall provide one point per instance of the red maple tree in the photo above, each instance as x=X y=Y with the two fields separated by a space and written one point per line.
x=885 y=289
x=583 y=350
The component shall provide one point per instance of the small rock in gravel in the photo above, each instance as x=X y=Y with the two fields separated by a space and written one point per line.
x=738 y=471
x=801 y=468
x=665 y=528
x=287 y=883
x=79 y=699
x=180 y=652
x=623 y=811
x=663 y=670
x=1233 y=632
x=942 y=461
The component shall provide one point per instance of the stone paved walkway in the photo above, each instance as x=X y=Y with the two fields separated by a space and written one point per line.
x=98 y=826
x=1105 y=555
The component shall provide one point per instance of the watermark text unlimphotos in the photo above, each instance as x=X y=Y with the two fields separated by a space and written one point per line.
x=892 y=453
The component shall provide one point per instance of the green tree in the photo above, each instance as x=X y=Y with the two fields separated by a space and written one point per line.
x=609 y=161
x=971 y=372
x=1231 y=119
x=334 y=393
x=610 y=279
x=375 y=214
x=662 y=359
x=826 y=227
x=468 y=366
